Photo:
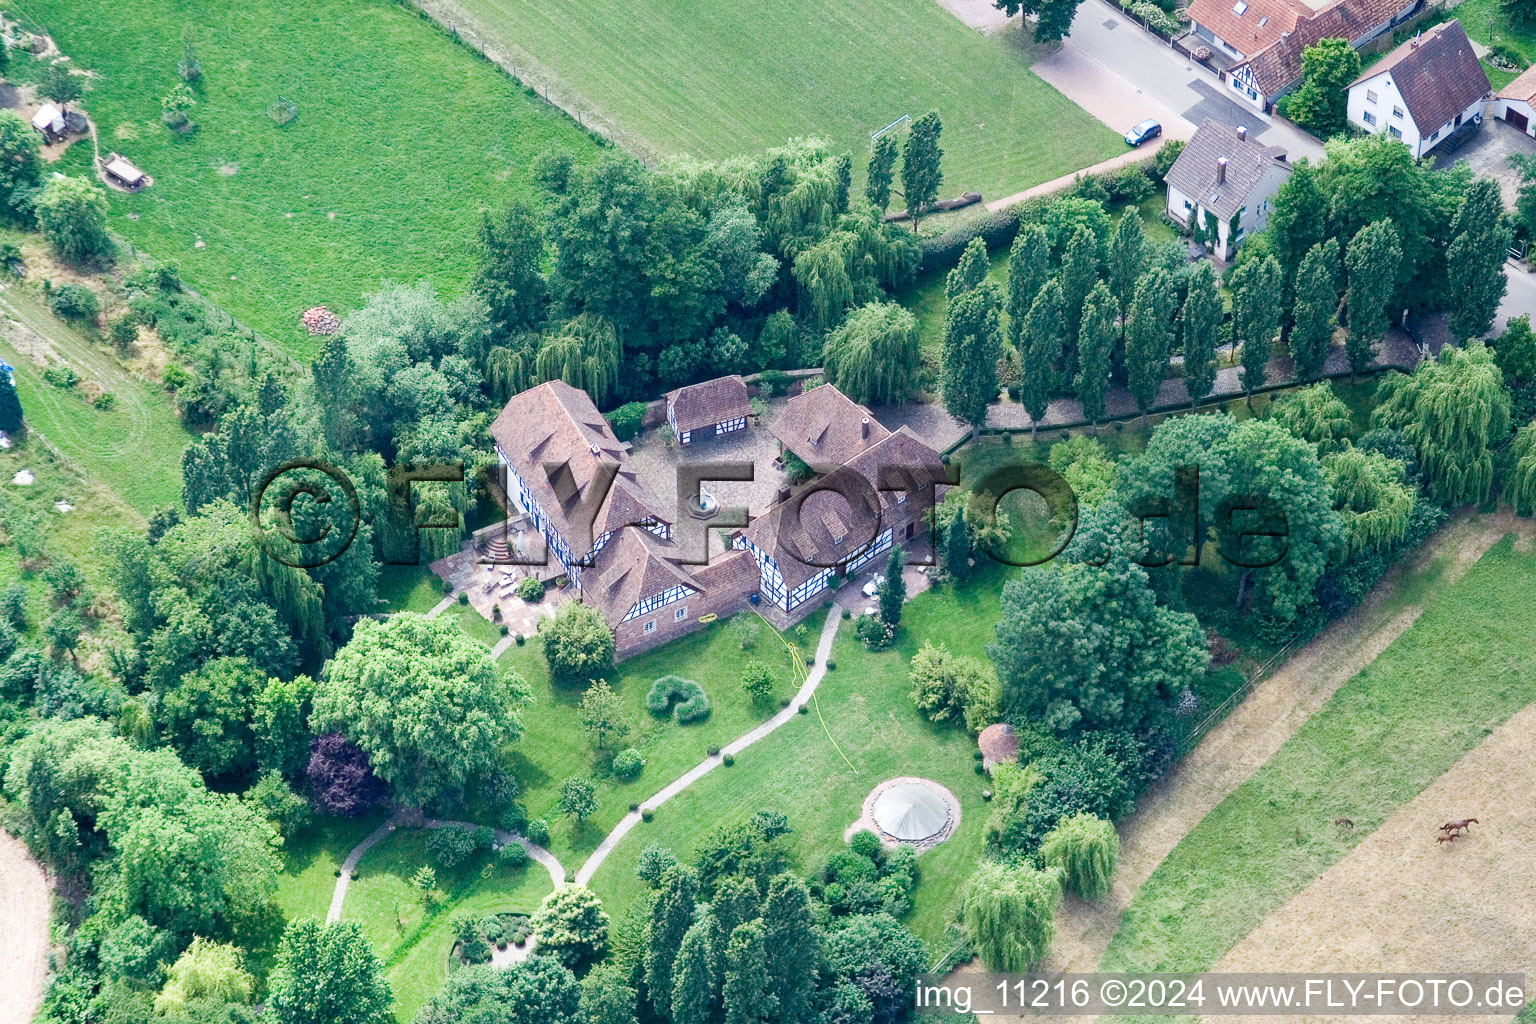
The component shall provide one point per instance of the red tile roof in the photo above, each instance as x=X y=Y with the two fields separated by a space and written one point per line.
x=824 y=427
x=713 y=401
x=1437 y=74
x=1279 y=64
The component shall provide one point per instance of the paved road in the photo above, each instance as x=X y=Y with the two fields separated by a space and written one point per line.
x=1520 y=299
x=1120 y=73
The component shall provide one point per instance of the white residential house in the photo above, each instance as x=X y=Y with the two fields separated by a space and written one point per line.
x=1422 y=91
x=1223 y=185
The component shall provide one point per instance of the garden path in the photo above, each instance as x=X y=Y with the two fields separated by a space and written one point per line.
x=698 y=771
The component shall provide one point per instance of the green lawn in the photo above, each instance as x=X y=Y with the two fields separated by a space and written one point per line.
x=133 y=448
x=402 y=137
x=715 y=78
x=1464 y=667
x=555 y=747
x=409 y=588
x=311 y=860
x=863 y=707
x=416 y=949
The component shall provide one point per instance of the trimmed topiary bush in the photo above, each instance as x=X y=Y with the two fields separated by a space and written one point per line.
x=728 y=759
x=647 y=815
x=711 y=751
x=627 y=763
x=537 y=832
x=684 y=699
x=531 y=589
x=512 y=856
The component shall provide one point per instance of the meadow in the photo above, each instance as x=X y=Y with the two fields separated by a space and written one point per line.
x=716 y=78
x=402 y=138
x=1459 y=671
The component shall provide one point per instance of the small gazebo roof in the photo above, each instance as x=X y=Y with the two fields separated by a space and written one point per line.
x=910 y=812
x=998 y=743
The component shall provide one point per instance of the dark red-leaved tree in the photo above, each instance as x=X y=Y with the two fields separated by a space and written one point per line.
x=340 y=780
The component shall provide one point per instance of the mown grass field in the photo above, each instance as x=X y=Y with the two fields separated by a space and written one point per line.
x=714 y=78
x=1460 y=670
x=403 y=136
x=134 y=448
x=862 y=712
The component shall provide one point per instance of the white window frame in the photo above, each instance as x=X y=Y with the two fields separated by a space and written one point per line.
x=680 y=614
x=649 y=627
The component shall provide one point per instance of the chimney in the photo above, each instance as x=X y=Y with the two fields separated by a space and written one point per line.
x=783 y=494
x=1221 y=169
x=864 y=428
x=1242 y=133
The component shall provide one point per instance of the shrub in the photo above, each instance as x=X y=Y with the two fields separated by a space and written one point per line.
x=513 y=817
x=452 y=845
x=537 y=831
x=74 y=302
x=866 y=844
x=647 y=814
x=520 y=639
x=773 y=382
x=530 y=589
x=463 y=598
x=727 y=759
x=512 y=856
x=874 y=633
x=1166 y=155
x=484 y=837
x=654 y=861
x=105 y=400
x=61 y=376
x=847 y=614
x=505 y=629
x=831 y=665
x=577 y=643
x=805 y=709
x=626 y=420
x=683 y=698
x=494 y=931
x=627 y=764
x=711 y=751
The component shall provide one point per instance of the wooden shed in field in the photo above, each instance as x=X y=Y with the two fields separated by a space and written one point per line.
x=124 y=173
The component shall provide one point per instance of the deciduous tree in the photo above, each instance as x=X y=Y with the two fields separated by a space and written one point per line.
x=872 y=357
x=72 y=213
x=881 y=172
x=1372 y=262
x=577 y=643
x=972 y=343
x=1315 y=309
x=1095 y=350
x=1475 y=261
x=1010 y=914
x=328 y=974
x=1084 y=848
x=1321 y=102
x=1255 y=318
x=1029 y=265
x=1148 y=337
x=602 y=713
x=1127 y=257
x=1043 y=338
x=921 y=174
x=1201 y=327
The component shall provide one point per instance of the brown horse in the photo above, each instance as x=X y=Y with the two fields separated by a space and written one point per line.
x=1447 y=838
x=1452 y=827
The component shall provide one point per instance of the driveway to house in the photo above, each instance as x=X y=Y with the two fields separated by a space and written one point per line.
x=1118 y=72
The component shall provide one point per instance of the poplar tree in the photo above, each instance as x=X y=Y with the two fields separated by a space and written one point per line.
x=1079 y=273
x=881 y=172
x=1202 y=332
x=1255 y=318
x=1127 y=257
x=1096 y=345
x=1372 y=262
x=1148 y=337
x=921 y=174
x=969 y=272
x=1043 y=339
x=972 y=343
x=1315 y=310
x=1475 y=261
x=1029 y=265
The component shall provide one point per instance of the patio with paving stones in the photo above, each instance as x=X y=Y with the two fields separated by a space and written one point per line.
x=494 y=586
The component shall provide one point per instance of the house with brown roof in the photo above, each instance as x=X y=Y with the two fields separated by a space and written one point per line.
x=1222 y=186
x=568 y=473
x=708 y=409
x=873 y=493
x=1423 y=90
x=1516 y=102
x=1267 y=37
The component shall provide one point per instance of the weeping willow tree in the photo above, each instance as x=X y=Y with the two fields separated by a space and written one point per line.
x=1010 y=914
x=797 y=195
x=826 y=286
x=1372 y=496
x=508 y=371
x=1520 y=483
x=872 y=357
x=1315 y=414
x=1453 y=411
x=1085 y=848
x=584 y=354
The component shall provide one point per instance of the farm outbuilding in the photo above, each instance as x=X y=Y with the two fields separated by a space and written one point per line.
x=1516 y=102
x=714 y=407
x=124 y=173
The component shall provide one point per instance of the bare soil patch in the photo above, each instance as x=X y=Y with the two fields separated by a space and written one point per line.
x=24 y=923
x=1402 y=902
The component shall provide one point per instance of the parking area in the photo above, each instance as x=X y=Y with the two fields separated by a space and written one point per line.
x=1487 y=152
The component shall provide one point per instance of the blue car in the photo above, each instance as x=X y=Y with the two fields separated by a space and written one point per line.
x=1148 y=129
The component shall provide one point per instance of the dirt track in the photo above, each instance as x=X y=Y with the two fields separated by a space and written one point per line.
x=24 y=907
x=1402 y=902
